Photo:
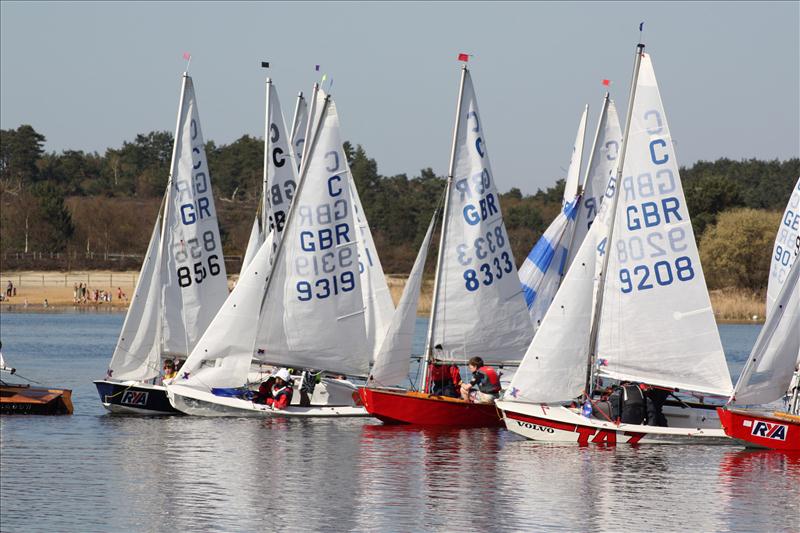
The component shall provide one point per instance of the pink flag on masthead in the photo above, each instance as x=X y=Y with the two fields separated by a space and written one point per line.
x=187 y=56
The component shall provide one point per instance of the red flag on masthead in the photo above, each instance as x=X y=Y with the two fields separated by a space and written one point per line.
x=606 y=82
x=463 y=57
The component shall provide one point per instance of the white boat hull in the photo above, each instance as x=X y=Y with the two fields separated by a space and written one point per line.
x=201 y=403
x=555 y=423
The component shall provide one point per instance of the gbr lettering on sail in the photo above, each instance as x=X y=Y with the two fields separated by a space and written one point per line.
x=653 y=249
x=197 y=253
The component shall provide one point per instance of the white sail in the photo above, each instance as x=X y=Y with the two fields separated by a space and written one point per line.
x=571 y=189
x=315 y=284
x=281 y=168
x=222 y=356
x=599 y=170
x=253 y=243
x=378 y=305
x=193 y=276
x=136 y=356
x=392 y=362
x=299 y=124
x=771 y=365
x=656 y=324
x=786 y=249
x=555 y=366
x=479 y=309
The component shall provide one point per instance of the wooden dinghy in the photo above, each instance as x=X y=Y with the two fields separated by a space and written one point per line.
x=27 y=400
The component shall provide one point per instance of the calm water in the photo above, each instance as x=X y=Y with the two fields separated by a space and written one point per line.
x=96 y=472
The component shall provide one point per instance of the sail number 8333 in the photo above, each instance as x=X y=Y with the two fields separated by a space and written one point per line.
x=198 y=268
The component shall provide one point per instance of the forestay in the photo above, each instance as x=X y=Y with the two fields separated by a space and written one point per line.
x=223 y=355
x=393 y=359
x=194 y=279
x=770 y=367
x=479 y=308
x=378 y=305
x=136 y=356
x=656 y=323
x=786 y=249
x=315 y=285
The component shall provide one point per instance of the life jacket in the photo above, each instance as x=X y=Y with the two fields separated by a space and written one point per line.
x=488 y=380
x=444 y=375
x=281 y=397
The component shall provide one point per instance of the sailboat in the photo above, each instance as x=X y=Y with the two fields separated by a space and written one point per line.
x=300 y=306
x=774 y=363
x=633 y=307
x=478 y=307
x=182 y=282
x=543 y=270
x=22 y=399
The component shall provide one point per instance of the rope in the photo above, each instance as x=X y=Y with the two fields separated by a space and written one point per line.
x=594 y=404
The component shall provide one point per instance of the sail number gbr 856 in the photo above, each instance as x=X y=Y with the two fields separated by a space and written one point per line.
x=194 y=254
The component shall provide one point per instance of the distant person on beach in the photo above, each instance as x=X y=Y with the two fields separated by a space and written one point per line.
x=75 y=293
x=9 y=288
x=485 y=384
x=45 y=303
x=119 y=293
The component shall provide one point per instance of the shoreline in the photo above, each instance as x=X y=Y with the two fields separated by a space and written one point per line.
x=33 y=288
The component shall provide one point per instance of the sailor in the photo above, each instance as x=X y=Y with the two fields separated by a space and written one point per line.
x=485 y=384
x=444 y=379
x=169 y=370
x=281 y=390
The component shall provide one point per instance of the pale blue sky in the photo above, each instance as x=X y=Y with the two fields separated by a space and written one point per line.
x=91 y=75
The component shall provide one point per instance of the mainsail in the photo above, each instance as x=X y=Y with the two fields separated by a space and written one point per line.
x=183 y=281
x=656 y=324
x=299 y=125
x=314 y=283
x=479 y=308
x=653 y=317
x=786 y=249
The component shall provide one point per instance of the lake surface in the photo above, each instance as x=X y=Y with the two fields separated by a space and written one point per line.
x=95 y=472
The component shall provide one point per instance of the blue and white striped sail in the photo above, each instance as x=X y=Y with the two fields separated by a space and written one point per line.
x=546 y=264
x=542 y=271
x=786 y=249
x=656 y=322
x=479 y=307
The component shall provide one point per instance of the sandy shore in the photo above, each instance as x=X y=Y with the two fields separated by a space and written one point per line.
x=57 y=288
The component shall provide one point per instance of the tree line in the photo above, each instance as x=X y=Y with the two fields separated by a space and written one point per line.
x=84 y=203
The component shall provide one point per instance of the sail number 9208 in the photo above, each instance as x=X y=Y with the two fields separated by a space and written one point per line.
x=662 y=273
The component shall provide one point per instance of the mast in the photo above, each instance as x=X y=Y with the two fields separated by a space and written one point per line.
x=309 y=129
x=300 y=181
x=582 y=186
x=165 y=215
x=612 y=213
x=265 y=185
x=294 y=121
x=445 y=211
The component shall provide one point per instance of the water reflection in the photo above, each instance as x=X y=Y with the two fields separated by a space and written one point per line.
x=95 y=472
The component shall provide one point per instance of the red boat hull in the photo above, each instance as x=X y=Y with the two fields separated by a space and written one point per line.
x=402 y=407
x=26 y=400
x=762 y=429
